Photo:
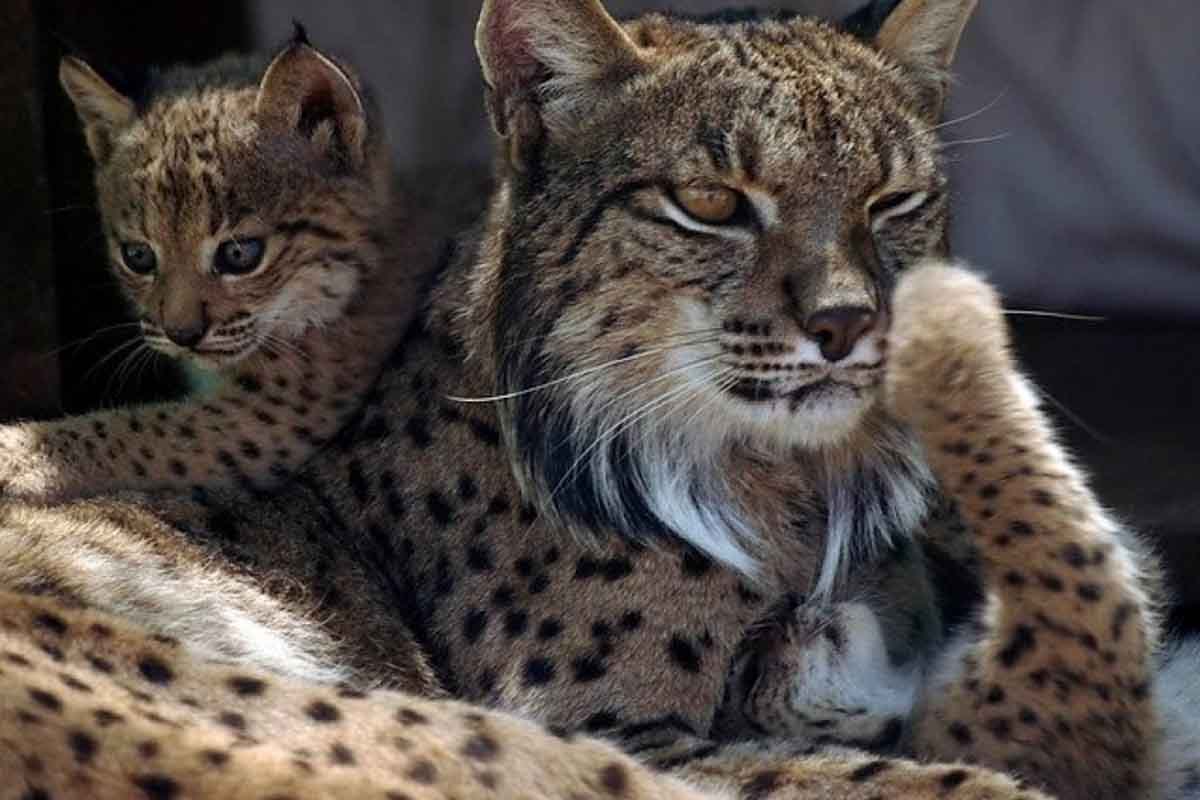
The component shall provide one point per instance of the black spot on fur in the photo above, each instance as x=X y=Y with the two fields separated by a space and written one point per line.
x=1021 y=528
x=961 y=734
x=539 y=672
x=589 y=668
x=617 y=568
x=481 y=747
x=154 y=670
x=423 y=772
x=762 y=785
x=695 y=564
x=1023 y=641
x=157 y=787
x=953 y=779
x=320 y=711
x=247 y=687
x=358 y=482
x=615 y=780
x=417 y=429
x=249 y=383
x=684 y=654
x=870 y=770
x=467 y=488
x=51 y=622
x=516 y=622
x=439 y=509
x=83 y=746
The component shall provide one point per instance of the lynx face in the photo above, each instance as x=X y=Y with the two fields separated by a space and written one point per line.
x=235 y=211
x=728 y=213
x=694 y=250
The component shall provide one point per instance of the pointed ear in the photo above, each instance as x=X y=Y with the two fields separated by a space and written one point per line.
x=546 y=61
x=306 y=93
x=923 y=35
x=102 y=109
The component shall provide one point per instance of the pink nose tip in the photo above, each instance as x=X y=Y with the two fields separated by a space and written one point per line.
x=838 y=330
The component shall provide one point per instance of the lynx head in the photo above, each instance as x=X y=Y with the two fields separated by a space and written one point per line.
x=696 y=238
x=237 y=198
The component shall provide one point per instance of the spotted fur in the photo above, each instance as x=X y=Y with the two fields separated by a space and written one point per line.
x=1048 y=678
x=542 y=590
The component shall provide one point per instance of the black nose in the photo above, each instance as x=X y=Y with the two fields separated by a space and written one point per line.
x=837 y=330
x=187 y=335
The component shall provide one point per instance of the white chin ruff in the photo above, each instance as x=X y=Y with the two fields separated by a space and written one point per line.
x=867 y=507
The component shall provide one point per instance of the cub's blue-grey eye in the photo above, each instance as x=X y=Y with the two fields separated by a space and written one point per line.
x=239 y=256
x=139 y=258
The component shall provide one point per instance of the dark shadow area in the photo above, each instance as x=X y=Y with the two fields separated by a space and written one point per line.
x=1126 y=394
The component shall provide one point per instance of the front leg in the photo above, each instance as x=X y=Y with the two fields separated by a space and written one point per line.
x=1053 y=684
x=256 y=428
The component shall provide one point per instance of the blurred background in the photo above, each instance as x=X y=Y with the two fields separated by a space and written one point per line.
x=1075 y=146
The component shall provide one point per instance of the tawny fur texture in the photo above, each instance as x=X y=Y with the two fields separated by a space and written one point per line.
x=645 y=409
x=97 y=708
x=285 y=156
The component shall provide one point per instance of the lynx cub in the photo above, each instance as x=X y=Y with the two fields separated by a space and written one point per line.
x=248 y=212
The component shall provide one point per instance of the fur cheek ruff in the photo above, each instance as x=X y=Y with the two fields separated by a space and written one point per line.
x=649 y=473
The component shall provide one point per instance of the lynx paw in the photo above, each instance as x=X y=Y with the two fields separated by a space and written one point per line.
x=948 y=340
x=828 y=678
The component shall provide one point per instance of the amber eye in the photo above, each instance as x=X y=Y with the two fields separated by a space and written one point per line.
x=712 y=205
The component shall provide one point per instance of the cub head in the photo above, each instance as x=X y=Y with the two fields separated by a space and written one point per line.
x=237 y=198
x=696 y=238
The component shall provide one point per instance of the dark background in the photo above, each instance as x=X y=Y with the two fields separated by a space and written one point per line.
x=1078 y=177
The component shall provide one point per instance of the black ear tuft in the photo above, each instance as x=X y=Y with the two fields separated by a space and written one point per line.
x=300 y=33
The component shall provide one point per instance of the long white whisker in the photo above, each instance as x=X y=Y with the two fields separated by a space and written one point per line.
x=615 y=430
x=121 y=348
x=977 y=140
x=94 y=335
x=1034 y=312
x=723 y=382
x=612 y=401
x=966 y=117
x=576 y=375
x=510 y=346
x=719 y=382
x=1073 y=417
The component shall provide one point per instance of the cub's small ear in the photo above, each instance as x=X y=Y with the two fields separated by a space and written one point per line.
x=307 y=93
x=923 y=35
x=546 y=62
x=103 y=110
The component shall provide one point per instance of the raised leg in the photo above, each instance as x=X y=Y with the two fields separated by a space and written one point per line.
x=1053 y=684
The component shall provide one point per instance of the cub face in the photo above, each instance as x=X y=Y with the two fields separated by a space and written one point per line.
x=236 y=198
